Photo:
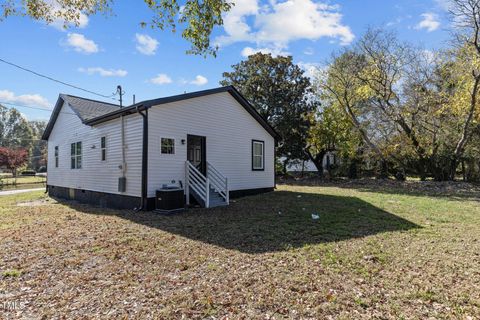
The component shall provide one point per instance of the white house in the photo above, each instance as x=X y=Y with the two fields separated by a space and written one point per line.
x=212 y=143
x=330 y=158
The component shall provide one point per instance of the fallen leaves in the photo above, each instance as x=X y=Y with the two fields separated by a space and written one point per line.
x=247 y=261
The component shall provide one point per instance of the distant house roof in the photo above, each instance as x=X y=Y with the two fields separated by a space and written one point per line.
x=93 y=112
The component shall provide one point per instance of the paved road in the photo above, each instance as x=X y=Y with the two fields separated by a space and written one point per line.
x=9 y=192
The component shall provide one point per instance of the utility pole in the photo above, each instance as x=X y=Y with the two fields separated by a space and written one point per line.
x=123 y=166
x=120 y=93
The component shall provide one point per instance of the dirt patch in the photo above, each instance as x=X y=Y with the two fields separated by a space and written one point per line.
x=37 y=203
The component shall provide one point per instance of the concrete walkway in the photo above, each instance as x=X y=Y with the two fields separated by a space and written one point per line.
x=9 y=192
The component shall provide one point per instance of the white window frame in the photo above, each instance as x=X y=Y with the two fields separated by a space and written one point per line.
x=262 y=155
x=172 y=146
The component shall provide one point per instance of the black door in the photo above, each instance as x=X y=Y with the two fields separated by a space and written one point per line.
x=196 y=152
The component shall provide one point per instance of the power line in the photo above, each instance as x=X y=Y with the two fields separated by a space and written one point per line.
x=56 y=80
x=31 y=107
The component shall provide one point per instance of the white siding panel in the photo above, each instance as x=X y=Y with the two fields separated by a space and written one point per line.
x=95 y=174
x=229 y=131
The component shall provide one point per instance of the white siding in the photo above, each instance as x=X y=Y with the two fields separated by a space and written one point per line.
x=95 y=175
x=229 y=130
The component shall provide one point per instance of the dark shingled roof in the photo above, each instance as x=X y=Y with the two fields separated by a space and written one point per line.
x=87 y=109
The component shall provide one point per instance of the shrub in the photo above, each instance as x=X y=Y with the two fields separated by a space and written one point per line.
x=28 y=173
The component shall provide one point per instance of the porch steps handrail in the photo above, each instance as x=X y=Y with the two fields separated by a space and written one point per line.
x=198 y=182
x=204 y=186
x=218 y=181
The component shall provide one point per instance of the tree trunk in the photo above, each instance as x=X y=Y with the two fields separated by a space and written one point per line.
x=383 y=174
x=353 y=169
x=422 y=169
x=317 y=160
x=284 y=168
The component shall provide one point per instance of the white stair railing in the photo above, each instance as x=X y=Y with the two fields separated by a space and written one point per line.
x=218 y=181
x=197 y=182
x=200 y=184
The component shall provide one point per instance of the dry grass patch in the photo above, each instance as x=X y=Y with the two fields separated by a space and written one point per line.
x=370 y=255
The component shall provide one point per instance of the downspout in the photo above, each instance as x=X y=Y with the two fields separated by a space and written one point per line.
x=122 y=119
x=124 y=164
x=144 y=198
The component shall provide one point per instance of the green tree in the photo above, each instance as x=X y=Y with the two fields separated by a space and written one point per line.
x=39 y=150
x=341 y=86
x=332 y=131
x=15 y=131
x=466 y=99
x=197 y=18
x=281 y=93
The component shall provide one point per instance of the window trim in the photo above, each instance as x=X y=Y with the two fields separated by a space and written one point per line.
x=173 y=146
x=76 y=155
x=263 y=154
x=103 y=148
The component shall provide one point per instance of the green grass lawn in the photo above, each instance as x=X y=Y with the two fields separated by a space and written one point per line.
x=372 y=254
x=24 y=180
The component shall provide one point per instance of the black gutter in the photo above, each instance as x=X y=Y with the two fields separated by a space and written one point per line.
x=144 y=197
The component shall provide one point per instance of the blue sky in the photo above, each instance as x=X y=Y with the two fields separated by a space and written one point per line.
x=106 y=51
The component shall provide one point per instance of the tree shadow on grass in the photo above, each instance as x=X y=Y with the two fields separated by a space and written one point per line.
x=272 y=222
x=456 y=191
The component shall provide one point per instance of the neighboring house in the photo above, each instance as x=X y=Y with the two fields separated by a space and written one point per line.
x=185 y=140
x=329 y=159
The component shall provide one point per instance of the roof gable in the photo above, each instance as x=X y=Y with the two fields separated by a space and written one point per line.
x=85 y=109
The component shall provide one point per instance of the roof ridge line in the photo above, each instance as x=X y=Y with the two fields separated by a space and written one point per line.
x=88 y=99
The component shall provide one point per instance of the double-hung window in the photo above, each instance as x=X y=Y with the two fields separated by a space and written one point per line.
x=76 y=155
x=258 y=155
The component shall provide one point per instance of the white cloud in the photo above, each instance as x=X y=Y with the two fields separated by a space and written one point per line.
x=60 y=23
x=32 y=100
x=161 y=78
x=146 y=44
x=248 y=51
x=276 y=24
x=199 y=80
x=430 y=22
x=311 y=68
x=104 y=72
x=81 y=44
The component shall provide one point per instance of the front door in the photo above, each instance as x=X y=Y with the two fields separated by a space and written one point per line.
x=196 y=152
